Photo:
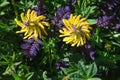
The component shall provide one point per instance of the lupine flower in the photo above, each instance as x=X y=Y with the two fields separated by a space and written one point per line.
x=104 y=20
x=30 y=47
x=109 y=5
x=90 y=50
x=76 y=30
x=32 y=25
x=117 y=27
x=61 y=13
x=109 y=14
x=41 y=8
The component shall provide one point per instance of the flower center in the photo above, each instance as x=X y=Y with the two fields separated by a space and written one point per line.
x=75 y=29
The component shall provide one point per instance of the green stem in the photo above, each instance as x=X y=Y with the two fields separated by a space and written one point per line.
x=15 y=10
x=50 y=59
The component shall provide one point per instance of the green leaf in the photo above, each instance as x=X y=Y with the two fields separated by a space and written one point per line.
x=2 y=25
x=4 y=63
x=3 y=4
x=45 y=76
x=117 y=44
x=29 y=75
x=77 y=79
x=94 y=79
x=2 y=13
x=82 y=69
x=92 y=70
x=16 y=77
x=92 y=21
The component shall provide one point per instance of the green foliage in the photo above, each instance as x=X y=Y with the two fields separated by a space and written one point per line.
x=3 y=5
x=85 y=8
x=81 y=71
x=15 y=66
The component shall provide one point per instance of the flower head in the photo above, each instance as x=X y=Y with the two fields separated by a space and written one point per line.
x=76 y=31
x=32 y=25
x=30 y=47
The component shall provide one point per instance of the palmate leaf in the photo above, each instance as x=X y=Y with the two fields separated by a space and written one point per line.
x=92 y=70
x=81 y=71
x=85 y=8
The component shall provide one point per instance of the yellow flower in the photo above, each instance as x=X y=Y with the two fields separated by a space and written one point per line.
x=32 y=25
x=76 y=30
x=66 y=77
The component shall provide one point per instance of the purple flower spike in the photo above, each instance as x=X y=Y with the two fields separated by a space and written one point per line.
x=30 y=47
x=117 y=27
x=62 y=63
x=110 y=16
x=92 y=55
x=58 y=65
x=90 y=51
x=60 y=14
x=103 y=21
x=41 y=8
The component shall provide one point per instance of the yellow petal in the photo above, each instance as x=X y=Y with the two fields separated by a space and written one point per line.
x=32 y=36
x=18 y=23
x=28 y=13
x=39 y=32
x=42 y=27
x=66 y=23
x=71 y=16
x=33 y=14
x=45 y=23
x=21 y=31
x=30 y=33
x=35 y=33
x=41 y=17
x=83 y=19
x=77 y=19
x=23 y=17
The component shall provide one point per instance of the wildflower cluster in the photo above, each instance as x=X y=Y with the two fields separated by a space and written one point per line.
x=59 y=39
x=74 y=29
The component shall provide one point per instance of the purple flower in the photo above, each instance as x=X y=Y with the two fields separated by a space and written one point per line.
x=62 y=63
x=104 y=20
x=60 y=14
x=109 y=6
x=117 y=27
x=110 y=16
x=30 y=47
x=88 y=51
x=41 y=8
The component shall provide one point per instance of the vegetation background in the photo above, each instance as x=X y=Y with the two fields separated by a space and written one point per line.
x=55 y=60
